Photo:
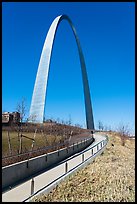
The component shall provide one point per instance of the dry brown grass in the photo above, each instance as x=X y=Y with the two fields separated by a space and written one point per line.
x=111 y=178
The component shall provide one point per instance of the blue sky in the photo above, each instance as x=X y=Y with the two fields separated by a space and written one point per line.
x=107 y=35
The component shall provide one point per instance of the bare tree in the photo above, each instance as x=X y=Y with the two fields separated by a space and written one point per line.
x=100 y=125
x=69 y=123
x=21 y=108
x=109 y=128
x=123 y=131
x=69 y=120
x=31 y=118
x=106 y=128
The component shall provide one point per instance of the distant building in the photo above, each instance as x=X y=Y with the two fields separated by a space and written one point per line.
x=16 y=117
x=8 y=118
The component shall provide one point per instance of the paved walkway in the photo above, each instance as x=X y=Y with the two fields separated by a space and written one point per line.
x=23 y=191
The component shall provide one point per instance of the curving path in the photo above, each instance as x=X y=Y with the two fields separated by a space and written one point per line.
x=23 y=191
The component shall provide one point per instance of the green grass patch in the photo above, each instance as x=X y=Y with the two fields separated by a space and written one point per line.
x=41 y=141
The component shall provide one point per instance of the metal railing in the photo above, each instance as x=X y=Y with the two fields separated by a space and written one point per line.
x=68 y=166
x=14 y=158
x=94 y=151
x=11 y=180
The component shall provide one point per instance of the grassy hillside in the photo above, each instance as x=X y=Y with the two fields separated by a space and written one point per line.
x=40 y=141
x=46 y=135
x=110 y=178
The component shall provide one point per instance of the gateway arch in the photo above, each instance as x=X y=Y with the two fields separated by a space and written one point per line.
x=38 y=98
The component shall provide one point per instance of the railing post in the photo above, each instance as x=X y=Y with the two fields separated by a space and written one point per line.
x=46 y=158
x=66 y=167
x=27 y=163
x=82 y=157
x=73 y=146
x=32 y=186
x=58 y=152
x=92 y=151
x=97 y=147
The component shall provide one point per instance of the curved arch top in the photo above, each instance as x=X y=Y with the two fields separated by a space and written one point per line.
x=39 y=92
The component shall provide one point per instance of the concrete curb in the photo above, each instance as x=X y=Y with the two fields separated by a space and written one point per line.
x=53 y=184
x=15 y=174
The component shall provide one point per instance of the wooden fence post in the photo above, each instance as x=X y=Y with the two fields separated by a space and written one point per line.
x=9 y=143
x=20 y=150
x=45 y=139
x=33 y=140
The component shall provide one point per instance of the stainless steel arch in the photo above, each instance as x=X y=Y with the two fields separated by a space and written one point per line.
x=38 y=98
